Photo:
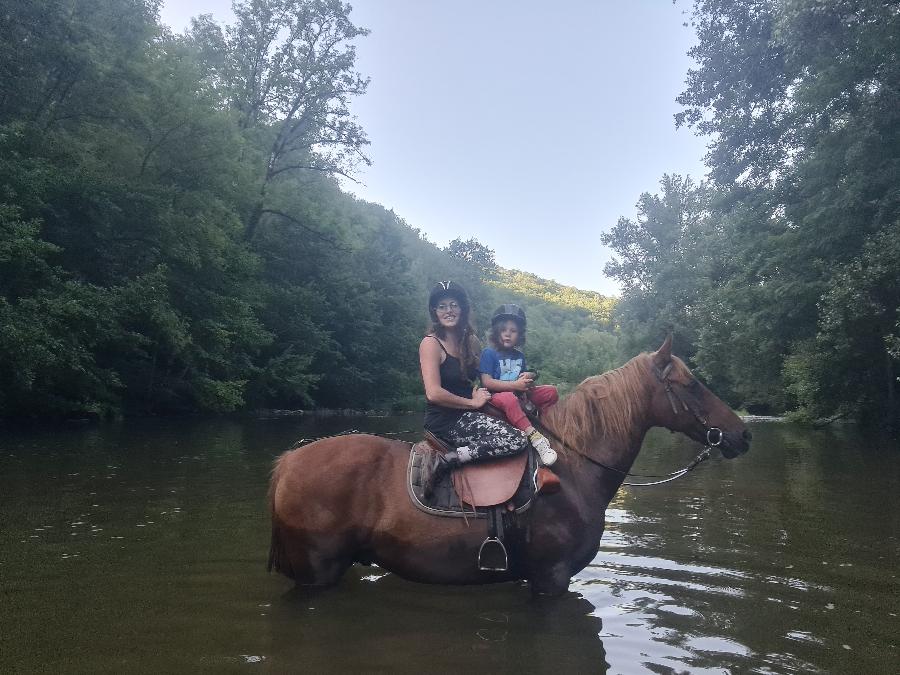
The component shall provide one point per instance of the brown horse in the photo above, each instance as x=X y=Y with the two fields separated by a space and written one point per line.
x=344 y=499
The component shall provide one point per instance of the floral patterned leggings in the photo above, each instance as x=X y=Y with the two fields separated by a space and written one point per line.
x=485 y=436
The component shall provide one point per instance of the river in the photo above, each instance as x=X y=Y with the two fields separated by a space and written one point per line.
x=141 y=547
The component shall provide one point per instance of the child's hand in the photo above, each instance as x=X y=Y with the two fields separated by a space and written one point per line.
x=525 y=381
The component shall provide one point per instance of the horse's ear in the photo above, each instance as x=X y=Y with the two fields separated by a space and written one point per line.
x=663 y=355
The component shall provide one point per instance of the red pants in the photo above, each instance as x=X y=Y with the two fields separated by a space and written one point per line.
x=543 y=396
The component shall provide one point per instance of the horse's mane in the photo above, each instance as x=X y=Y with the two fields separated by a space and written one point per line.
x=604 y=405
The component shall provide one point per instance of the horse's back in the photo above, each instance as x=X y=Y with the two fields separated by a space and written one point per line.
x=323 y=480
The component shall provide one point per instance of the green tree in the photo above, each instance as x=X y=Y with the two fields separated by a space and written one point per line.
x=475 y=253
x=852 y=363
x=666 y=264
x=286 y=67
x=802 y=100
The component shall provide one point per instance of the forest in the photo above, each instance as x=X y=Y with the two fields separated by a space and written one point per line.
x=174 y=236
x=780 y=273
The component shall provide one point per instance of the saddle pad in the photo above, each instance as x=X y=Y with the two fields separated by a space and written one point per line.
x=445 y=502
x=491 y=482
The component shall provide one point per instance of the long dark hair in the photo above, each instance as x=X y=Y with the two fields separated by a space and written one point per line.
x=469 y=345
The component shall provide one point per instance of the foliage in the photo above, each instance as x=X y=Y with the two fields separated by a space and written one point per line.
x=834 y=372
x=802 y=100
x=172 y=238
x=286 y=68
x=662 y=267
x=598 y=306
x=475 y=253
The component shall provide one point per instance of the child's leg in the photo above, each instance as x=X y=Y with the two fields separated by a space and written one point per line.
x=543 y=396
x=508 y=403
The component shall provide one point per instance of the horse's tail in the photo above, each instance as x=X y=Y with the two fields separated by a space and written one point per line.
x=276 y=550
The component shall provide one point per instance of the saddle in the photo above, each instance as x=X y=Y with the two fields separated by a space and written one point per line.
x=473 y=488
x=497 y=489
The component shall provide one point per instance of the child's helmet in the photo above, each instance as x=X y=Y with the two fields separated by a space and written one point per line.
x=507 y=312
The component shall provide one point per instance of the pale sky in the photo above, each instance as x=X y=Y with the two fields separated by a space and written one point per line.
x=529 y=126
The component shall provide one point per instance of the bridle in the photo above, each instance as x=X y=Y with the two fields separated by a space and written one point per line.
x=713 y=434
x=674 y=394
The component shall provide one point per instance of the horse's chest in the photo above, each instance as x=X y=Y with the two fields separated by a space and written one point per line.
x=564 y=533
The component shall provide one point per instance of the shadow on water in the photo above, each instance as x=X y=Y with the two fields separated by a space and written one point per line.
x=439 y=629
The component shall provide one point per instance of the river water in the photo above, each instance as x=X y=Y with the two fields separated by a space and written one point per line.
x=141 y=547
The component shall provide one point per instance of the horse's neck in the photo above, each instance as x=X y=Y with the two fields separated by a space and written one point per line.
x=594 y=485
x=614 y=448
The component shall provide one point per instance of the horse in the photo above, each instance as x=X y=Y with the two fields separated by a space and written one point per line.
x=343 y=500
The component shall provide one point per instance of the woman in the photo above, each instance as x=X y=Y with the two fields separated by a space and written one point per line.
x=448 y=357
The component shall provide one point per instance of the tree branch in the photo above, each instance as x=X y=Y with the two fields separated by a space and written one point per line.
x=312 y=231
x=322 y=169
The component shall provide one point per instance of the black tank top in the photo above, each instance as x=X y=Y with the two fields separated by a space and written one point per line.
x=439 y=418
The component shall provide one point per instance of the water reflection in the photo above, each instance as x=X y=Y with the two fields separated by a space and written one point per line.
x=398 y=625
x=140 y=547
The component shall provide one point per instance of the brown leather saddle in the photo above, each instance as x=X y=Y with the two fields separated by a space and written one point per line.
x=508 y=481
x=472 y=489
x=497 y=490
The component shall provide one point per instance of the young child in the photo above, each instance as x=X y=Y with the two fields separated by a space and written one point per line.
x=504 y=374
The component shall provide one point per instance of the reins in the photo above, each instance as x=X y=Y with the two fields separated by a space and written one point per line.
x=699 y=459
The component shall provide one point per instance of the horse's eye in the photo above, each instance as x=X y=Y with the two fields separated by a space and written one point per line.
x=694 y=387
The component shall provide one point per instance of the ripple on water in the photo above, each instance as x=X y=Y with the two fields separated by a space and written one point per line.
x=663 y=611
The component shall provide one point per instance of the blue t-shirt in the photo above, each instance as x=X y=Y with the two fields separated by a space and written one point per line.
x=504 y=365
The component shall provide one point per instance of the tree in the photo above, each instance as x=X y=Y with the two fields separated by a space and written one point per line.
x=475 y=253
x=851 y=366
x=61 y=62
x=286 y=67
x=665 y=265
x=802 y=98
x=132 y=163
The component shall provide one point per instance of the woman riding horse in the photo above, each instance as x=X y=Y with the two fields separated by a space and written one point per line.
x=345 y=499
x=448 y=357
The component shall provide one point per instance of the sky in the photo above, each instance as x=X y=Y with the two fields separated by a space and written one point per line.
x=531 y=126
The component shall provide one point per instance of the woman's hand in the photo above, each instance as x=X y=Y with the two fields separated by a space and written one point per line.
x=479 y=397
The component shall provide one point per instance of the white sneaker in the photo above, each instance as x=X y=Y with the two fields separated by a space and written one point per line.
x=542 y=445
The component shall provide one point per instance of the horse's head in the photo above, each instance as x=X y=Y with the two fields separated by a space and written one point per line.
x=682 y=403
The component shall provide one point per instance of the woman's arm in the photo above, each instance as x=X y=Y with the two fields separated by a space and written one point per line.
x=430 y=363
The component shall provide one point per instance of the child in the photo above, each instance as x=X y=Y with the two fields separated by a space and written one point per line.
x=503 y=373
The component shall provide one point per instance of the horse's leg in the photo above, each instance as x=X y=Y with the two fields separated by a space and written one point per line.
x=326 y=501
x=550 y=580
x=319 y=561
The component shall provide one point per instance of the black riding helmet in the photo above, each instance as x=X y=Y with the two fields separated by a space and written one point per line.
x=447 y=289
x=509 y=311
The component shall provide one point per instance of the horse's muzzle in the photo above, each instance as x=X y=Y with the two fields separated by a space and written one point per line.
x=735 y=443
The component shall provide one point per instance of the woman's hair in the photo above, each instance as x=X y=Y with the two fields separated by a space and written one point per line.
x=469 y=345
x=494 y=335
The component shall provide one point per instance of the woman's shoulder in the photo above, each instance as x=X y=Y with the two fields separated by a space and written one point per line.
x=431 y=341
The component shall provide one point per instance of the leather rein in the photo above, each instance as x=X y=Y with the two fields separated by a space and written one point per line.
x=676 y=399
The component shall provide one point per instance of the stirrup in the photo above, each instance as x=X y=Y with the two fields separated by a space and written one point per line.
x=492 y=556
